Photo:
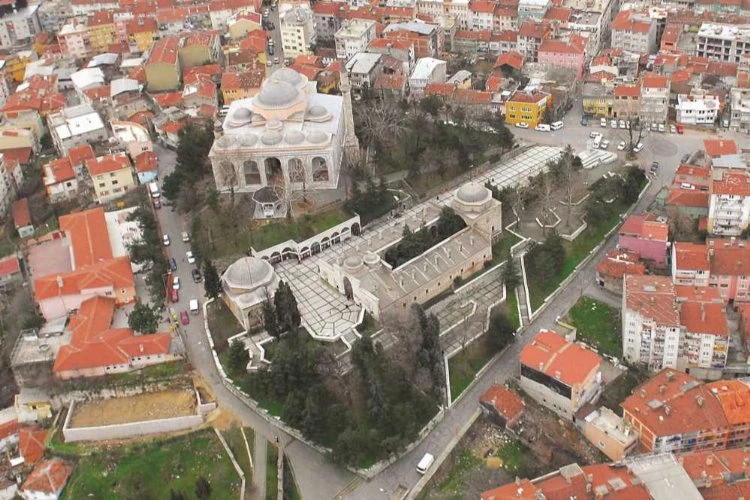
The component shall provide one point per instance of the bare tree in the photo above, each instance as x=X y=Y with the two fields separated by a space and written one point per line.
x=547 y=188
x=635 y=133
x=229 y=178
x=570 y=173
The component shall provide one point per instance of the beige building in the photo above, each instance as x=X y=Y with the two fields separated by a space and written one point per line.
x=243 y=23
x=378 y=288
x=606 y=430
x=17 y=138
x=247 y=284
x=198 y=49
x=111 y=175
x=163 y=71
x=297 y=32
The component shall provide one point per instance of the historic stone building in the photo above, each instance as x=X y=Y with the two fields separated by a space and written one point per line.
x=288 y=137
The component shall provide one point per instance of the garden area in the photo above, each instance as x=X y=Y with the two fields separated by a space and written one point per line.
x=190 y=465
x=272 y=472
x=236 y=443
x=598 y=324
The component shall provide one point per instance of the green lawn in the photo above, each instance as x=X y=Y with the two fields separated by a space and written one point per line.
x=464 y=366
x=152 y=470
x=299 y=229
x=272 y=472
x=501 y=248
x=597 y=324
x=236 y=443
x=511 y=304
x=222 y=324
x=515 y=457
x=291 y=491
x=455 y=482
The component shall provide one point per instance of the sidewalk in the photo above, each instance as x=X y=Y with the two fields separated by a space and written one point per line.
x=259 y=460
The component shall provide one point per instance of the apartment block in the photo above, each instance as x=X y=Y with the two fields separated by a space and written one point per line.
x=297 y=32
x=729 y=202
x=723 y=42
x=634 y=32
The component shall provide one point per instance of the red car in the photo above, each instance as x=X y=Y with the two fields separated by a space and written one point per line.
x=174 y=295
x=184 y=318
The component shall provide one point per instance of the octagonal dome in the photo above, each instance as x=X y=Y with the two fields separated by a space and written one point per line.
x=270 y=137
x=248 y=273
x=317 y=137
x=289 y=76
x=471 y=192
x=277 y=93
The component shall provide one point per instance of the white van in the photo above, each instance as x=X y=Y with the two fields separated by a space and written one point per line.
x=597 y=141
x=425 y=463
x=542 y=127
x=153 y=188
x=193 y=306
x=556 y=125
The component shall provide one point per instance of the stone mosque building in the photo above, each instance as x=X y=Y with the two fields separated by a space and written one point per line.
x=288 y=137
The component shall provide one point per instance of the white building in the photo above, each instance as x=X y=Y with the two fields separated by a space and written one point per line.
x=11 y=178
x=532 y=9
x=4 y=87
x=19 y=27
x=458 y=10
x=427 y=70
x=697 y=108
x=482 y=15
x=723 y=42
x=297 y=32
x=354 y=37
x=729 y=202
x=740 y=110
x=634 y=32
x=74 y=126
x=247 y=284
x=364 y=68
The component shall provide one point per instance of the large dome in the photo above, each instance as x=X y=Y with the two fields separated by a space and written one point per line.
x=277 y=93
x=248 y=273
x=472 y=192
x=288 y=75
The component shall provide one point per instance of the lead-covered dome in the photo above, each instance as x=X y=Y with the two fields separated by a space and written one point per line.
x=472 y=192
x=248 y=273
x=288 y=75
x=277 y=93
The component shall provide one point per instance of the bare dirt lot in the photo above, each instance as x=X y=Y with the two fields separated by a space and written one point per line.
x=149 y=406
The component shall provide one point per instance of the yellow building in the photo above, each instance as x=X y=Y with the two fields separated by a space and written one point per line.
x=242 y=24
x=597 y=100
x=32 y=406
x=112 y=176
x=15 y=64
x=163 y=70
x=17 y=138
x=527 y=107
x=198 y=49
x=142 y=33
x=241 y=85
x=102 y=31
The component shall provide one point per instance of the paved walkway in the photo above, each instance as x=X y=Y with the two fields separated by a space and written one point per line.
x=259 y=461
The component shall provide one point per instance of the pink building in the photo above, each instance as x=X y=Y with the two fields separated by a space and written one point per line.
x=644 y=235
x=564 y=55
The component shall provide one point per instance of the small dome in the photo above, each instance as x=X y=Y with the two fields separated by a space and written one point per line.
x=248 y=140
x=317 y=111
x=472 y=192
x=242 y=114
x=274 y=124
x=294 y=137
x=371 y=259
x=288 y=75
x=270 y=137
x=317 y=137
x=248 y=273
x=352 y=263
x=276 y=93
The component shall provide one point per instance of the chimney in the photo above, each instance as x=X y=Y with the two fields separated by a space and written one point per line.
x=401 y=282
x=460 y=247
x=140 y=347
x=710 y=460
x=670 y=375
x=699 y=400
x=667 y=409
x=662 y=389
x=59 y=281
x=471 y=240
x=436 y=260
x=643 y=393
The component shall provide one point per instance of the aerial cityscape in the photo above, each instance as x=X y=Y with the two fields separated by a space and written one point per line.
x=387 y=249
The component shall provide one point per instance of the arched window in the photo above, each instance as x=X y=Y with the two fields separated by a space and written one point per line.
x=251 y=172
x=296 y=170
x=320 y=169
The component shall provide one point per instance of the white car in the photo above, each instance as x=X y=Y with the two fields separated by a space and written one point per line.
x=613 y=123
x=638 y=147
x=621 y=146
x=522 y=125
x=190 y=257
x=542 y=127
x=185 y=236
x=603 y=122
x=165 y=240
x=661 y=127
x=176 y=283
x=672 y=129
x=594 y=135
x=622 y=123
x=604 y=144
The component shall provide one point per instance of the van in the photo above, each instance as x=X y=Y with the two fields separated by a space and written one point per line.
x=597 y=141
x=556 y=125
x=542 y=127
x=194 y=306
x=153 y=188
x=425 y=463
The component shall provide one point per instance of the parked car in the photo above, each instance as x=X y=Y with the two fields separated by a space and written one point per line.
x=661 y=128
x=638 y=147
x=622 y=123
x=276 y=60
x=654 y=127
x=594 y=135
x=176 y=283
x=184 y=318
x=654 y=166
x=621 y=146
x=542 y=127
x=185 y=236
x=194 y=306
x=680 y=128
x=613 y=124
x=685 y=158
x=522 y=125
x=165 y=240
x=197 y=278
x=672 y=129
x=172 y=264
x=190 y=257
x=157 y=202
x=174 y=295
x=604 y=144
x=603 y=123
x=585 y=121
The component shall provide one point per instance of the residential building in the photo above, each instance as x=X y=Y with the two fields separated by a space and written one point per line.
x=634 y=32
x=654 y=98
x=611 y=270
x=532 y=9
x=60 y=180
x=527 y=107
x=697 y=108
x=482 y=15
x=102 y=31
x=471 y=42
x=111 y=175
x=11 y=178
x=504 y=407
x=146 y=167
x=364 y=69
x=608 y=432
x=241 y=85
x=627 y=103
x=692 y=202
x=424 y=37
x=326 y=20
x=721 y=152
x=561 y=375
x=402 y=51
x=10 y=272
x=242 y=23
x=644 y=235
x=427 y=70
x=297 y=32
x=73 y=40
x=163 y=70
x=75 y=126
x=198 y=49
x=739 y=118
x=221 y=11
x=722 y=42
x=557 y=54
x=597 y=100
x=729 y=202
x=354 y=36
x=19 y=26
x=531 y=34
x=706 y=331
x=22 y=218
x=47 y=480
x=142 y=32
x=457 y=10
x=690 y=264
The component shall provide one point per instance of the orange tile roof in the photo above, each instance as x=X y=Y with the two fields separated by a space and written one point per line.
x=652 y=81
x=522 y=489
x=512 y=59
x=202 y=38
x=719 y=68
x=687 y=198
x=310 y=71
x=31 y=443
x=99 y=18
x=565 y=361
x=483 y=35
x=691 y=256
x=60 y=170
x=109 y=163
x=191 y=75
x=558 y=14
x=49 y=476
x=560 y=47
x=167 y=99
x=693 y=171
x=720 y=147
x=172 y=127
x=703 y=465
x=146 y=162
x=652 y=297
x=558 y=487
x=164 y=51
x=734 y=398
x=79 y=154
x=644 y=228
x=617 y=263
x=87 y=232
x=627 y=91
x=255 y=40
x=242 y=81
x=384 y=43
x=706 y=318
x=732 y=182
x=528 y=97
x=10 y=427
x=623 y=22
x=482 y=6
x=507 y=403
x=531 y=29
x=506 y=36
x=470 y=97
x=697 y=294
x=21 y=213
x=390 y=82
x=18 y=155
x=440 y=89
x=8 y=267
x=142 y=24
x=730 y=259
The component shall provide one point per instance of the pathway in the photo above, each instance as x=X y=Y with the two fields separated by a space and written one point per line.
x=259 y=461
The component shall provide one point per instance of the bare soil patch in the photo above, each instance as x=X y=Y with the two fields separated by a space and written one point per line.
x=148 y=406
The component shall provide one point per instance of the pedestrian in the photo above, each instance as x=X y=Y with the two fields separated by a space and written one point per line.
x=277 y=439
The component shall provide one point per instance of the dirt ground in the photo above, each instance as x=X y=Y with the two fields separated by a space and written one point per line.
x=148 y=406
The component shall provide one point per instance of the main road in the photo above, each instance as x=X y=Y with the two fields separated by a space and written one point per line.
x=319 y=479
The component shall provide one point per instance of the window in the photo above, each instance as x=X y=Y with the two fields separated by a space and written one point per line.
x=251 y=172
x=102 y=184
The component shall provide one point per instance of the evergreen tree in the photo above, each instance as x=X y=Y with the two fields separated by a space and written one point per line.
x=501 y=331
x=238 y=357
x=510 y=275
x=270 y=321
x=211 y=280
x=143 y=319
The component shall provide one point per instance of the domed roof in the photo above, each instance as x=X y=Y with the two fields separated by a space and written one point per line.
x=352 y=262
x=248 y=273
x=274 y=124
x=277 y=93
x=317 y=137
x=317 y=111
x=371 y=258
x=294 y=137
x=471 y=192
x=248 y=140
x=242 y=114
x=270 y=137
x=288 y=75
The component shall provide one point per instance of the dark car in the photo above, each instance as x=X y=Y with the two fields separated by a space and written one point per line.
x=685 y=158
x=584 y=120
x=197 y=278
x=173 y=264
x=655 y=166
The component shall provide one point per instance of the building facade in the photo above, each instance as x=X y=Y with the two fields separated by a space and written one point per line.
x=297 y=32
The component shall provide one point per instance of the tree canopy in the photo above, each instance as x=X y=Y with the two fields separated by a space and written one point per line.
x=143 y=319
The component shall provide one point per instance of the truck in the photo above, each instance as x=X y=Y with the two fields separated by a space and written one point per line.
x=153 y=189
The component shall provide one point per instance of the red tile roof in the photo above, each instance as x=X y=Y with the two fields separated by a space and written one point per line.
x=164 y=51
x=31 y=443
x=507 y=403
x=79 y=154
x=642 y=227
x=255 y=40
x=720 y=147
x=383 y=43
x=109 y=163
x=167 y=99
x=732 y=182
x=730 y=259
x=554 y=356
x=21 y=213
x=21 y=156
x=394 y=82
x=691 y=256
x=112 y=273
x=60 y=170
x=617 y=263
x=8 y=267
x=147 y=161
x=627 y=91
x=652 y=81
x=719 y=68
x=536 y=30
x=560 y=47
x=623 y=22
x=652 y=297
x=697 y=294
x=706 y=318
x=687 y=198
x=242 y=81
x=483 y=35
x=512 y=59
x=191 y=75
x=531 y=97
x=558 y=14
x=482 y=6
x=49 y=476
x=87 y=232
